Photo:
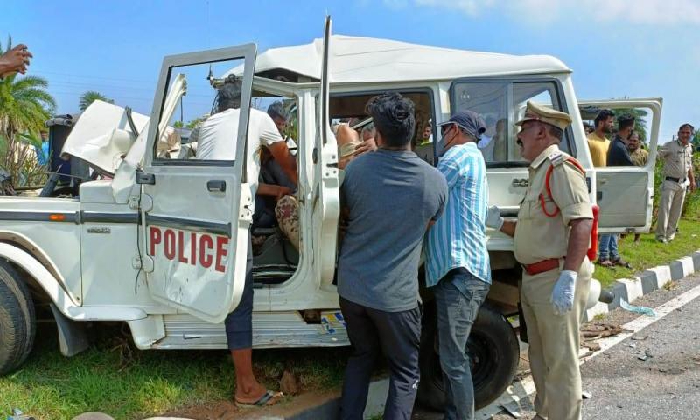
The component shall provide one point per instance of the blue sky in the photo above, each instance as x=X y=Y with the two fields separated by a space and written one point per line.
x=617 y=48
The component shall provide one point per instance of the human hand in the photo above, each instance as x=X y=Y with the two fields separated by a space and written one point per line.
x=366 y=146
x=282 y=191
x=564 y=290
x=15 y=60
x=493 y=218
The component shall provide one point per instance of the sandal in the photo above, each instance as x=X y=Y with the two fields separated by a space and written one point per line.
x=606 y=263
x=621 y=263
x=268 y=398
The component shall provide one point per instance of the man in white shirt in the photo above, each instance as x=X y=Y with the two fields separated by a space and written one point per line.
x=217 y=141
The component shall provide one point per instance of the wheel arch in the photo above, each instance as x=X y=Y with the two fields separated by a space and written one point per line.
x=37 y=269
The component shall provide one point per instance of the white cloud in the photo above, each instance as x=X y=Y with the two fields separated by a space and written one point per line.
x=666 y=12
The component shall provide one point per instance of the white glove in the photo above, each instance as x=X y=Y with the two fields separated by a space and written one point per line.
x=493 y=218
x=564 y=290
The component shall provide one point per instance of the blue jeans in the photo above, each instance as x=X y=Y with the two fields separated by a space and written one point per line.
x=607 y=247
x=458 y=296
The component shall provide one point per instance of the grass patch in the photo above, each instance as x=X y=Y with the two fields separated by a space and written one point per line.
x=650 y=253
x=50 y=386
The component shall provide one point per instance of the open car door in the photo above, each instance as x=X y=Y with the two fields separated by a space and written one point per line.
x=196 y=208
x=625 y=194
x=326 y=177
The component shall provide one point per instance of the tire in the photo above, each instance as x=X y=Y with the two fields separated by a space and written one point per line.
x=494 y=353
x=17 y=319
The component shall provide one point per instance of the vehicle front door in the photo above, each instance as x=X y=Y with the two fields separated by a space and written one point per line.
x=625 y=194
x=195 y=205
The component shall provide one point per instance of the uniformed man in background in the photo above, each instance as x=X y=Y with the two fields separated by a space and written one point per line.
x=552 y=235
x=678 y=175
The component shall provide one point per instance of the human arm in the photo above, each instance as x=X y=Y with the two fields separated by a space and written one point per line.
x=495 y=221
x=276 y=191
x=280 y=152
x=15 y=60
x=691 y=178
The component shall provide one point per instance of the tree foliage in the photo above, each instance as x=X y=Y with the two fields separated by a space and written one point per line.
x=87 y=98
x=25 y=105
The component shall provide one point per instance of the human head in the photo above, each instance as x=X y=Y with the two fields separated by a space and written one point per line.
x=604 y=121
x=427 y=132
x=625 y=125
x=367 y=132
x=540 y=127
x=44 y=134
x=462 y=127
x=278 y=114
x=633 y=141
x=229 y=95
x=394 y=119
x=587 y=128
x=685 y=132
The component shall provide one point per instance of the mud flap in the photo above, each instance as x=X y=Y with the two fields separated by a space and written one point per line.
x=72 y=336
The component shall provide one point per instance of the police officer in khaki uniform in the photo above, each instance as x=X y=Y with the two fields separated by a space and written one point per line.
x=552 y=235
x=678 y=175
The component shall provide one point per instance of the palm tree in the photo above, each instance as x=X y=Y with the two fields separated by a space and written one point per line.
x=24 y=107
x=91 y=96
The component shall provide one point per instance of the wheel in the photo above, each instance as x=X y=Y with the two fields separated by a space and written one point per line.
x=494 y=354
x=17 y=319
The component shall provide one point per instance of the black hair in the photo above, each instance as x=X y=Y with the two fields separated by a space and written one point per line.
x=394 y=118
x=602 y=116
x=229 y=96
x=624 y=121
x=276 y=110
x=692 y=129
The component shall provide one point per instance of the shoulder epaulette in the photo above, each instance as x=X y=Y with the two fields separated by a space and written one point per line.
x=557 y=158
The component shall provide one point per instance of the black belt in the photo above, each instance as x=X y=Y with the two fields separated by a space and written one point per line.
x=670 y=178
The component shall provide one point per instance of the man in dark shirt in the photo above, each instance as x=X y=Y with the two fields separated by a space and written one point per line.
x=391 y=197
x=618 y=155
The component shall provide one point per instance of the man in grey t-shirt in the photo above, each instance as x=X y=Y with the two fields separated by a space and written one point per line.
x=391 y=197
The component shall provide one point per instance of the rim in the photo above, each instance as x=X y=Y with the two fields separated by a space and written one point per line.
x=482 y=362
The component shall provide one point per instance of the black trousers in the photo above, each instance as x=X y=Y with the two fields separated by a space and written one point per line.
x=397 y=336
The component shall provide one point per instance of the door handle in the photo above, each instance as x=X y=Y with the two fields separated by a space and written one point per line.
x=523 y=183
x=216 y=185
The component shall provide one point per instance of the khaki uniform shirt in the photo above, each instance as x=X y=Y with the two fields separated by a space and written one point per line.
x=537 y=236
x=677 y=159
x=639 y=157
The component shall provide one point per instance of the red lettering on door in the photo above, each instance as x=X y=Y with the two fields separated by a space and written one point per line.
x=155 y=239
x=205 y=242
x=181 y=247
x=193 y=248
x=169 y=244
x=221 y=253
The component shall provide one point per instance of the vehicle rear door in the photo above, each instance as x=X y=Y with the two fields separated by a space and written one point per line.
x=195 y=212
x=625 y=194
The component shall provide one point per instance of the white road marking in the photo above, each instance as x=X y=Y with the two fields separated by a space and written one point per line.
x=526 y=386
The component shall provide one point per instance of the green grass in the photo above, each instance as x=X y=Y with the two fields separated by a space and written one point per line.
x=50 y=386
x=650 y=253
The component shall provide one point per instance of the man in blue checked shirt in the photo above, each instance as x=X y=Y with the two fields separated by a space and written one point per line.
x=457 y=263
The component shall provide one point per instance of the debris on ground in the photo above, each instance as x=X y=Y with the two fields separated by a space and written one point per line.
x=586 y=395
x=645 y=356
x=595 y=330
x=641 y=310
x=17 y=414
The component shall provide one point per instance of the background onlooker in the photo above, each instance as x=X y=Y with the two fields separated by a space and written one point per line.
x=597 y=140
x=640 y=157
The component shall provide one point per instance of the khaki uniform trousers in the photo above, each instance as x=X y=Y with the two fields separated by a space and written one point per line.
x=554 y=344
x=670 y=208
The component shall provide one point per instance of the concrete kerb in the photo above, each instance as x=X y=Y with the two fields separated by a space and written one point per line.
x=650 y=280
